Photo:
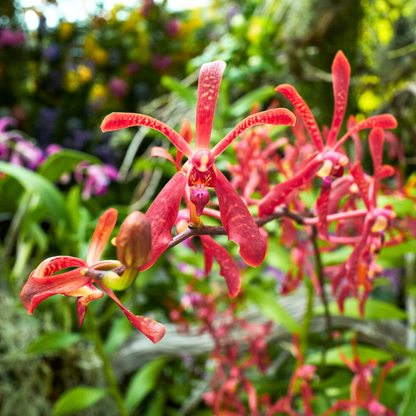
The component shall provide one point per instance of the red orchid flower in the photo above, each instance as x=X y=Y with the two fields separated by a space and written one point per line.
x=200 y=172
x=43 y=283
x=328 y=161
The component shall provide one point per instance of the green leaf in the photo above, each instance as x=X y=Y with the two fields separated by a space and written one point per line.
x=76 y=399
x=401 y=207
x=243 y=106
x=64 y=161
x=269 y=306
x=408 y=406
x=375 y=309
x=157 y=406
x=53 y=342
x=33 y=182
x=337 y=256
x=277 y=256
x=365 y=353
x=142 y=383
x=121 y=329
x=187 y=93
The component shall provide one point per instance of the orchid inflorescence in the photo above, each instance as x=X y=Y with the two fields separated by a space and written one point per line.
x=271 y=176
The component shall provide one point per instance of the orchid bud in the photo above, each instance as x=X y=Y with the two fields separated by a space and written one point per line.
x=134 y=241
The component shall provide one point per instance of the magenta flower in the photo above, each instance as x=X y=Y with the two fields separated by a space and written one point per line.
x=200 y=172
x=118 y=87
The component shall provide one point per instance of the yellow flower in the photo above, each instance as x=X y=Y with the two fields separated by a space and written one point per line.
x=71 y=81
x=84 y=73
x=65 y=30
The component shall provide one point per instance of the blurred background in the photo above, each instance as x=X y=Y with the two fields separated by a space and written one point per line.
x=65 y=65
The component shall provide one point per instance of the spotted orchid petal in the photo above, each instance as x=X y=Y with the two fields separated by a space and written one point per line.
x=208 y=87
x=101 y=235
x=117 y=121
x=278 y=194
x=152 y=329
x=162 y=215
x=384 y=121
x=355 y=137
x=359 y=179
x=228 y=269
x=341 y=72
x=322 y=206
x=376 y=141
x=161 y=152
x=275 y=117
x=239 y=224
x=305 y=112
x=40 y=287
x=85 y=294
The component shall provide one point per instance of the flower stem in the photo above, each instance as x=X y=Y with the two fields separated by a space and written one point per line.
x=114 y=389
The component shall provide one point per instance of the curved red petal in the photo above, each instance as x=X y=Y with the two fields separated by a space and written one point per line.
x=322 y=207
x=385 y=121
x=275 y=117
x=51 y=265
x=161 y=152
x=359 y=179
x=101 y=235
x=162 y=215
x=341 y=72
x=85 y=294
x=208 y=87
x=117 y=121
x=355 y=137
x=277 y=195
x=305 y=112
x=376 y=141
x=152 y=329
x=228 y=268
x=239 y=224
x=38 y=289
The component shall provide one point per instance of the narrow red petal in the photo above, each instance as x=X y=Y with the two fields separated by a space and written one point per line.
x=208 y=87
x=305 y=112
x=101 y=235
x=228 y=269
x=341 y=72
x=322 y=207
x=88 y=293
x=52 y=265
x=38 y=289
x=277 y=195
x=355 y=137
x=376 y=141
x=187 y=133
x=275 y=117
x=385 y=121
x=239 y=224
x=152 y=329
x=359 y=179
x=117 y=121
x=162 y=215
x=386 y=171
x=161 y=152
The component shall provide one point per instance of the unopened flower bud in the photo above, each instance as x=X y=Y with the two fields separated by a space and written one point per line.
x=134 y=241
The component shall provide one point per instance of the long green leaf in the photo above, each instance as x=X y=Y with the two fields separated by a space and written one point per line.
x=33 y=182
x=188 y=94
x=142 y=383
x=52 y=342
x=64 y=161
x=243 y=106
x=76 y=399
x=268 y=304
x=408 y=406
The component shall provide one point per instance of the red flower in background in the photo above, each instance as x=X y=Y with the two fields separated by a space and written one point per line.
x=200 y=172
x=43 y=283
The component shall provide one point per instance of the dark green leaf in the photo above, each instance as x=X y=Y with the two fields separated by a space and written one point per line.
x=52 y=342
x=76 y=399
x=187 y=93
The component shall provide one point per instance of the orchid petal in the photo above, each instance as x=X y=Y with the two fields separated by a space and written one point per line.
x=306 y=114
x=277 y=195
x=239 y=223
x=228 y=269
x=161 y=152
x=101 y=235
x=386 y=171
x=85 y=294
x=152 y=329
x=187 y=133
x=275 y=117
x=52 y=265
x=117 y=121
x=341 y=72
x=385 y=121
x=376 y=141
x=38 y=288
x=208 y=87
x=355 y=137
x=162 y=215
x=359 y=179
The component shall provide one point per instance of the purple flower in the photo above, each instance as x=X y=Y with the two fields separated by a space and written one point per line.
x=51 y=53
x=118 y=87
x=161 y=62
x=132 y=68
x=10 y=38
x=172 y=27
x=52 y=149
